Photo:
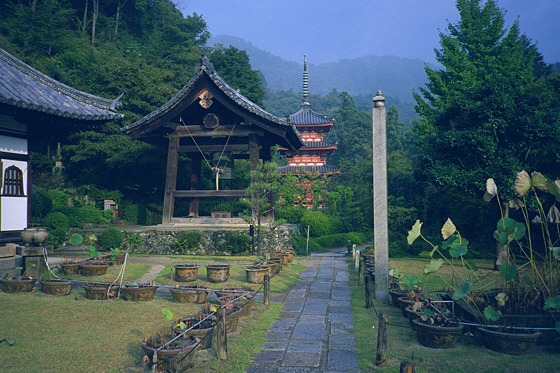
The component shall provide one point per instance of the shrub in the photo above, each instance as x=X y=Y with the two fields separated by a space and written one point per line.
x=90 y=214
x=136 y=214
x=300 y=246
x=340 y=239
x=110 y=238
x=41 y=204
x=291 y=214
x=58 y=197
x=187 y=241
x=72 y=213
x=320 y=224
x=57 y=226
x=237 y=243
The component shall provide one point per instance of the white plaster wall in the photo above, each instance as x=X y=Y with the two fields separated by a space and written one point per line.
x=14 y=209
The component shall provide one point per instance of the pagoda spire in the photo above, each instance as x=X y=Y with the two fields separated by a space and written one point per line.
x=305 y=102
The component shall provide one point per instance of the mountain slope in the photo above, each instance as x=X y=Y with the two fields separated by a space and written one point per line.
x=395 y=76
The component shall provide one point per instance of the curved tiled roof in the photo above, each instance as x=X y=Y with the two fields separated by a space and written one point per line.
x=326 y=169
x=206 y=67
x=318 y=144
x=24 y=87
x=308 y=116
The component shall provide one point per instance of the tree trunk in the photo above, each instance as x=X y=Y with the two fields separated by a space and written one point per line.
x=95 y=15
x=85 y=18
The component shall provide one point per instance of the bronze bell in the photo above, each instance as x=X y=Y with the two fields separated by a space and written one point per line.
x=224 y=163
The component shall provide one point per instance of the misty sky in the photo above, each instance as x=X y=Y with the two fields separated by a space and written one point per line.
x=330 y=30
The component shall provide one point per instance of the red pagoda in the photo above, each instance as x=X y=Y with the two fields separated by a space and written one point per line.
x=312 y=156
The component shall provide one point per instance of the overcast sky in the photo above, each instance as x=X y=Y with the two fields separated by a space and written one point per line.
x=330 y=30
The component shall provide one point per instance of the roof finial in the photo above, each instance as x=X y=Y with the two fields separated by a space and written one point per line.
x=305 y=88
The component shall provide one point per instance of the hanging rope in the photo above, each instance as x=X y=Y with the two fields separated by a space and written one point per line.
x=216 y=167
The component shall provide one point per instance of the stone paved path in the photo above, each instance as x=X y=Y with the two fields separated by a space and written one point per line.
x=315 y=330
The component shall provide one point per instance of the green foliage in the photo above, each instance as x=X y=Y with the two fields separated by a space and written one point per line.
x=136 y=214
x=237 y=243
x=41 y=204
x=300 y=246
x=57 y=226
x=340 y=239
x=187 y=241
x=111 y=238
x=59 y=198
x=290 y=214
x=320 y=224
x=89 y=214
x=72 y=213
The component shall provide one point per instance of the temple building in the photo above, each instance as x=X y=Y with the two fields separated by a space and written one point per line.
x=34 y=109
x=312 y=126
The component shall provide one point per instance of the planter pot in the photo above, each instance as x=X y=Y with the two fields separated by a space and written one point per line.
x=290 y=256
x=93 y=269
x=371 y=273
x=283 y=258
x=204 y=332
x=140 y=293
x=255 y=275
x=185 y=272
x=245 y=302
x=437 y=336
x=189 y=294
x=509 y=343
x=276 y=265
x=100 y=290
x=467 y=312
x=232 y=318
x=217 y=273
x=17 y=284
x=395 y=295
x=70 y=268
x=177 y=358
x=412 y=315
x=119 y=259
x=403 y=303
x=56 y=287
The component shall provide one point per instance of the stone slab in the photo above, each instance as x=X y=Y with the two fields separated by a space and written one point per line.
x=293 y=307
x=314 y=309
x=268 y=357
x=342 y=328
x=302 y=359
x=278 y=336
x=309 y=331
x=342 y=342
x=282 y=325
x=312 y=319
x=342 y=360
x=298 y=345
x=275 y=345
x=341 y=318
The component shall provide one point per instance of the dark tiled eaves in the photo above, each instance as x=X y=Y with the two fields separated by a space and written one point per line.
x=319 y=144
x=326 y=169
x=24 y=87
x=307 y=116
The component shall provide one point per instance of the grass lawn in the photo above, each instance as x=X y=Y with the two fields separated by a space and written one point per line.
x=468 y=356
x=73 y=334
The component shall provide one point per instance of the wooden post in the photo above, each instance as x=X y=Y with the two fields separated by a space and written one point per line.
x=353 y=252
x=380 y=213
x=266 y=287
x=170 y=179
x=408 y=367
x=382 y=339
x=361 y=272
x=356 y=261
x=196 y=169
x=369 y=291
x=220 y=334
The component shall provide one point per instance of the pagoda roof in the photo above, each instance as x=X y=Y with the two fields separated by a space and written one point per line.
x=307 y=116
x=206 y=77
x=325 y=169
x=319 y=144
x=23 y=87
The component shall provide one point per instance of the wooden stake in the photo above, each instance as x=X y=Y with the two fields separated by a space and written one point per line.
x=361 y=273
x=266 y=287
x=369 y=291
x=220 y=335
x=382 y=339
x=356 y=261
x=408 y=367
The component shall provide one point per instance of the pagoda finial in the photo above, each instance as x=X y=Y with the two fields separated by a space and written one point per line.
x=305 y=80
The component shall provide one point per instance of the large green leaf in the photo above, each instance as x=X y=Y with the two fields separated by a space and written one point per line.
x=433 y=266
x=463 y=290
x=552 y=303
x=554 y=189
x=522 y=183
x=448 y=229
x=409 y=281
x=508 y=271
x=414 y=233
x=539 y=181
x=76 y=239
x=457 y=250
x=167 y=313
x=491 y=314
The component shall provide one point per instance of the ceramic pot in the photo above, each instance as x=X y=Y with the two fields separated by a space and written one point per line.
x=56 y=287
x=509 y=343
x=185 y=272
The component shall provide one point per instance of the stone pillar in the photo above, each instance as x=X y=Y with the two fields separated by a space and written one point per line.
x=380 y=222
